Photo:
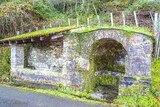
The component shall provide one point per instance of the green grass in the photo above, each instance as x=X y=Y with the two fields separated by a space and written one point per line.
x=144 y=31
x=48 y=31
x=136 y=96
x=39 y=33
x=155 y=87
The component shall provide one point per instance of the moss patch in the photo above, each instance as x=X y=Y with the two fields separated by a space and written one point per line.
x=39 y=33
x=144 y=31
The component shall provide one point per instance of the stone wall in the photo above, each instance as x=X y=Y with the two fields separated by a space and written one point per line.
x=64 y=60
x=45 y=63
x=137 y=46
x=17 y=56
x=46 y=57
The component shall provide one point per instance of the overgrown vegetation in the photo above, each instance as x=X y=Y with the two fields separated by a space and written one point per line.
x=132 y=30
x=4 y=64
x=17 y=17
x=155 y=87
x=137 y=96
x=43 y=8
x=22 y=15
x=152 y=5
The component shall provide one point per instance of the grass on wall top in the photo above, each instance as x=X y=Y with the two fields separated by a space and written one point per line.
x=46 y=32
x=39 y=33
x=144 y=31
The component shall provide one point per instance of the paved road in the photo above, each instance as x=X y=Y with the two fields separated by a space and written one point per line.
x=11 y=97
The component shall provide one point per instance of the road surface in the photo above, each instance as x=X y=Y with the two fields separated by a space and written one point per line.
x=12 y=97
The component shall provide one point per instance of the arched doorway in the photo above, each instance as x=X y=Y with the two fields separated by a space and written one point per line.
x=108 y=62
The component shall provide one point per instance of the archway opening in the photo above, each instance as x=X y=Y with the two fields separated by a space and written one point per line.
x=108 y=63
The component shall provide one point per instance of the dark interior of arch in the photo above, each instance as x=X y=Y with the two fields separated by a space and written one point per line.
x=107 y=57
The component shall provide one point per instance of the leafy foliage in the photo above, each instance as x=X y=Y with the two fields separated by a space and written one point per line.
x=44 y=10
x=17 y=17
x=155 y=87
x=4 y=63
x=137 y=96
x=144 y=4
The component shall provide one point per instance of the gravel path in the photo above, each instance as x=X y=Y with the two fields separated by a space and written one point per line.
x=11 y=97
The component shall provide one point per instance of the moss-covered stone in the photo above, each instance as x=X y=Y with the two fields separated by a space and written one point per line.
x=39 y=33
x=128 y=31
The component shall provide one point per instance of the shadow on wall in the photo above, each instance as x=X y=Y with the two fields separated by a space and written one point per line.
x=107 y=61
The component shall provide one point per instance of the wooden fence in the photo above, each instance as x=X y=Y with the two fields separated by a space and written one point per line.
x=139 y=19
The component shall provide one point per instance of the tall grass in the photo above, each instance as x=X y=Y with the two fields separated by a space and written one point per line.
x=138 y=97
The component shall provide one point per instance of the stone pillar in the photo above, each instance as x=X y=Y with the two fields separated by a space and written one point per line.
x=69 y=52
x=69 y=62
x=17 y=57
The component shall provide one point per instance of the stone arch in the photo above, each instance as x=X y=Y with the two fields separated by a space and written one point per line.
x=139 y=50
x=137 y=46
x=111 y=34
x=107 y=61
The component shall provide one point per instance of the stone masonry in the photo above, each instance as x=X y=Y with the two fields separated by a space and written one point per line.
x=57 y=64
x=17 y=57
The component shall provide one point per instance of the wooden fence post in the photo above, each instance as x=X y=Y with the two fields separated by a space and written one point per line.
x=18 y=32
x=88 y=21
x=136 y=20
x=158 y=38
x=69 y=22
x=156 y=27
x=36 y=28
x=123 y=18
x=99 y=22
x=112 y=23
x=77 y=22
x=50 y=25
x=151 y=17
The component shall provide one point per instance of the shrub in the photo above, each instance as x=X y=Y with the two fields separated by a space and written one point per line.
x=136 y=96
x=45 y=10
x=155 y=86
x=144 y=4
x=4 y=63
